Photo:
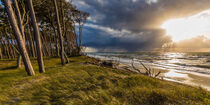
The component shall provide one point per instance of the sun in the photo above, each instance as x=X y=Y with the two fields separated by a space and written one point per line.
x=189 y=27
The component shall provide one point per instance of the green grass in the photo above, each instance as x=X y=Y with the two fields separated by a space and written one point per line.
x=82 y=84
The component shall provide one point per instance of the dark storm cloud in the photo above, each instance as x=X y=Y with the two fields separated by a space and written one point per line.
x=104 y=40
x=136 y=21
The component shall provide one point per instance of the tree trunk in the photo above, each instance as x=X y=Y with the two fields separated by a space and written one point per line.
x=57 y=41
x=19 y=18
x=66 y=57
x=37 y=37
x=64 y=32
x=3 y=48
x=46 y=49
x=31 y=41
x=20 y=25
x=19 y=38
x=6 y=48
x=60 y=33
x=19 y=59
x=10 y=50
x=80 y=36
x=1 y=57
x=57 y=48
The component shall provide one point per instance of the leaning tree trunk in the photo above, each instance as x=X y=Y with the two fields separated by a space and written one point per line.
x=64 y=32
x=37 y=37
x=19 y=38
x=20 y=25
x=60 y=33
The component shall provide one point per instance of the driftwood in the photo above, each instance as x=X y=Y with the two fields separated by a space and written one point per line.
x=148 y=71
x=113 y=64
x=103 y=63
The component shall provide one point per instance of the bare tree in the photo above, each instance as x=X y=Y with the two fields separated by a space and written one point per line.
x=21 y=27
x=60 y=33
x=64 y=26
x=37 y=37
x=19 y=38
x=81 y=19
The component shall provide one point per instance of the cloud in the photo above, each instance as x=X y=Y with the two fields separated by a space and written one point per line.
x=151 y=1
x=110 y=31
x=196 y=42
x=185 y=28
x=107 y=39
x=126 y=24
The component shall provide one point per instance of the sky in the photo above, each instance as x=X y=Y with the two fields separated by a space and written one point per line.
x=139 y=25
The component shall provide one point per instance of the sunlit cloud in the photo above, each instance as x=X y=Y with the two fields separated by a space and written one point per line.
x=186 y=28
x=81 y=4
x=151 y=1
x=115 y=33
x=89 y=49
x=134 y=1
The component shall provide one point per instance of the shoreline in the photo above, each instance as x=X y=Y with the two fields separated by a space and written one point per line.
x=183 y=77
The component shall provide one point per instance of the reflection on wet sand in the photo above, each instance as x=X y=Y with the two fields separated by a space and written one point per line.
x=175 y=74
x=188 y=78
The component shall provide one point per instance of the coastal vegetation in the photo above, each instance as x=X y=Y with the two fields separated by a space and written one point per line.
x=79 y=83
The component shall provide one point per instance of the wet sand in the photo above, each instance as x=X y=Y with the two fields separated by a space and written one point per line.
x=193 y=79
x=188 y=78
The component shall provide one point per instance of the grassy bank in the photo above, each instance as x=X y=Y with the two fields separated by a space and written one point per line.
x=79 y=83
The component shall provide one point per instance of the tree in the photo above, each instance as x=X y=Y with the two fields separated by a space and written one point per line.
x=60 y=33
x=63 y=22
x=19 y=38
x=81 y=18
x=21 y=27
x=37 y=36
